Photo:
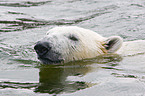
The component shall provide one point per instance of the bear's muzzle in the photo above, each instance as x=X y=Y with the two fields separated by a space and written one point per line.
x=45 y=53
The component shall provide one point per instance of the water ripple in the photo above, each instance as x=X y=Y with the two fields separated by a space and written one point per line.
x=16 y=85
x=24 y=4
x=26 y=23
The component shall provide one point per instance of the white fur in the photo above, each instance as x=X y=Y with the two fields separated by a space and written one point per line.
x=90 y=43
x=132 y=48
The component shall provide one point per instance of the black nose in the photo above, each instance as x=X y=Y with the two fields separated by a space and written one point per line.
x=42 y=48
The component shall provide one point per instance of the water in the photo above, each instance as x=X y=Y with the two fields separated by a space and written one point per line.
x=23 y=22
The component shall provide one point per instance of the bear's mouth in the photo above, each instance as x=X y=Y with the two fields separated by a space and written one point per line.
x=49 y=61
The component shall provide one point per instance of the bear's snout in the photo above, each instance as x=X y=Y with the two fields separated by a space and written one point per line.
x=42 y=48
x=46 y=54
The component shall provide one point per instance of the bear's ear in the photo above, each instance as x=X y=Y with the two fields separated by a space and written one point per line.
x=113 y=43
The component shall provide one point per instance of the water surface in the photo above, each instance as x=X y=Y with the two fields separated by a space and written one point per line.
x=23 y=22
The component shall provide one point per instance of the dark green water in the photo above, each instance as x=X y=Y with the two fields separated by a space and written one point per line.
x=23 y=22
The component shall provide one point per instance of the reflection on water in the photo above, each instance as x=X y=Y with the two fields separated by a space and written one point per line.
x=112 y=60
x=53 y=78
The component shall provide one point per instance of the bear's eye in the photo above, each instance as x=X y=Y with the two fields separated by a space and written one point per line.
x=73 y=38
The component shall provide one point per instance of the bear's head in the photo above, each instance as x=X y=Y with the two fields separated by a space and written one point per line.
x=71 y=43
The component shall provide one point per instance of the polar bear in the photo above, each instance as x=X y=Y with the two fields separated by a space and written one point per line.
x=71 y=43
